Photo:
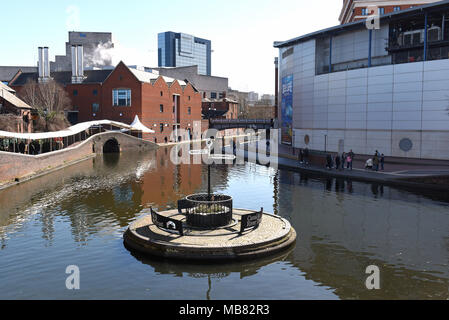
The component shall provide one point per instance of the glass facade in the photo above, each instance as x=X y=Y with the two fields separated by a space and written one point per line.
x=181 y=50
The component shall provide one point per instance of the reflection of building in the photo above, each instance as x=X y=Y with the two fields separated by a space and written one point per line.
x=354 y=10
x=368 y=90
x=342 y=234
x=181 y=50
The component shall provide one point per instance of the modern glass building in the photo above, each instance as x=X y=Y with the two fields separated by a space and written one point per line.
x=182 y=50
x=367 y=89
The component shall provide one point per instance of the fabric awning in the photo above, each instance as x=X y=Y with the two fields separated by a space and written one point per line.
x=137 y=125
x=64 y=133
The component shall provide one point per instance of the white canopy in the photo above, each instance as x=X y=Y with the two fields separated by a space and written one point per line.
x=67 y=132
x=137 y=125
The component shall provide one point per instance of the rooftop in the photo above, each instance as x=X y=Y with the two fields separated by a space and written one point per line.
x=362 y=24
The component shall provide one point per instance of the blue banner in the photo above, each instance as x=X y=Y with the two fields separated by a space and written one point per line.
x=287 y=110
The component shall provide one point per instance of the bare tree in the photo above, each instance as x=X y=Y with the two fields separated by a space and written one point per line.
x=50 y=100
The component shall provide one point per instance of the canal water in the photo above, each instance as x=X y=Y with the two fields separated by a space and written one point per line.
x=77 y=216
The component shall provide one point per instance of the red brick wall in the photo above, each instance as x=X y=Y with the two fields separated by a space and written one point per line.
x=388 y=9
x=121 y=78
x=84 y=99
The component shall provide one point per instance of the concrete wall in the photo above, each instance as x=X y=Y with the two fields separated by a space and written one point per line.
x=19 y=166
x=372 y=108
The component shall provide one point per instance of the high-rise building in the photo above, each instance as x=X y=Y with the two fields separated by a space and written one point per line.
x=354 y=10
x=182 y=50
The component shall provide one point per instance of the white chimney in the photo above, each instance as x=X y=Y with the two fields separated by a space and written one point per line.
x=80 y=50
x=40 y=64
x=46 y=64
x=77 y=64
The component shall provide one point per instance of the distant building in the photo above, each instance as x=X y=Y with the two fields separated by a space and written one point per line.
x=211 y=87
x=7 y=72
x=267 y=99
x=253 y=97
x=93 y=43
x=182 y=50
x=354 y=10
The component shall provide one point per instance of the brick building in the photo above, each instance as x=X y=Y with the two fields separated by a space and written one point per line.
x=162 y=104
x=354 y=10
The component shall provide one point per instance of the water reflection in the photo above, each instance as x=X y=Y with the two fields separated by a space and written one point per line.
x=342 y=227
x=341 y=235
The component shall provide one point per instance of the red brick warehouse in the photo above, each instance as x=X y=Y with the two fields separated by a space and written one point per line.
x=162 y=104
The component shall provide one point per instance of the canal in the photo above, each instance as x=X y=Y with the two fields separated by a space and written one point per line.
x=77 y=216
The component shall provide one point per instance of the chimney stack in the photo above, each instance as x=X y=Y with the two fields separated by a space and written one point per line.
x=77 y=64
x=40 y=64
x=43 y=64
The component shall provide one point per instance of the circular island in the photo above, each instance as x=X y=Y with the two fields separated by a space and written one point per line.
x=207 y=227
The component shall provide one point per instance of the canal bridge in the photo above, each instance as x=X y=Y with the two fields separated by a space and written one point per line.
x=255 y=124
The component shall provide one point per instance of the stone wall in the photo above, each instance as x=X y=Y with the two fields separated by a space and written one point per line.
x=15 y=167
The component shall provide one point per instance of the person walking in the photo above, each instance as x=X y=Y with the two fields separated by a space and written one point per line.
x=329 y=161
x=337 y=162
x=382 y=162
x=301 y=156
x=349 y=161
x=376 y=162
x=343 y=160
x=306 y=156
x=351 y=156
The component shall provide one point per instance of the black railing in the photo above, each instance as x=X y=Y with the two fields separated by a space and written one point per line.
x=204 y=211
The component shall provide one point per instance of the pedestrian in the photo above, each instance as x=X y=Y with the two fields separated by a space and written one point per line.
x=329 y=161
x=306 y=156
x=337 y=162
x=343 y=161
x=352 y=156
x=301 y=156
x=349 y=162
x=382 y=162
x=376 y=162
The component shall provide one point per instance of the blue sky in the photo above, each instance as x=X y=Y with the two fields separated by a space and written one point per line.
x=242 y=32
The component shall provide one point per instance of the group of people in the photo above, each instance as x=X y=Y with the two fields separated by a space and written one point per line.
x=340 y=161
x=378 y=159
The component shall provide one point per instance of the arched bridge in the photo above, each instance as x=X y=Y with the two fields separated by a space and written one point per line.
x=256 y=124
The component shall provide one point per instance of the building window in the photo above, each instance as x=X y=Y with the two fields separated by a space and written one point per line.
x=121 y=97
x=161 y=126
x=189 y=110
x=189 y=98
x=381 y=10
x=95 y=107
x=162 y=93
x=397 y=9
x=213 y=95
x=161 y=108
x=364 y=11
x=95 y=92
x=75 y=93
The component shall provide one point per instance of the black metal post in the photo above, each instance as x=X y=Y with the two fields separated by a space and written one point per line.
x=208 y=182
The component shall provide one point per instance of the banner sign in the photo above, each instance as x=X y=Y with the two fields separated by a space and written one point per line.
x=287 y=110
x=251 y=220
